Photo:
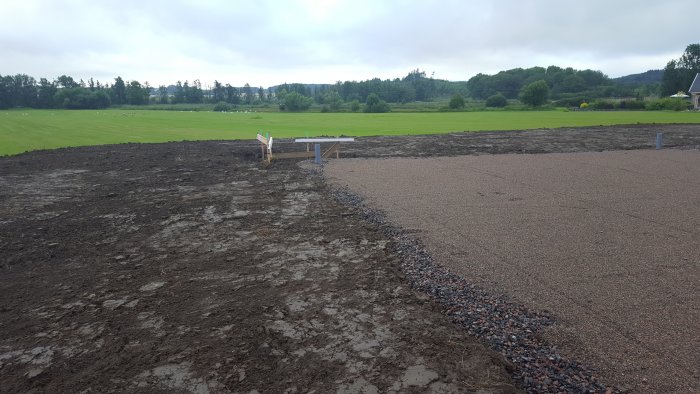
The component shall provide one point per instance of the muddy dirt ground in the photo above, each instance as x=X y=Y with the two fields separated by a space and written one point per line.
x=192 y=267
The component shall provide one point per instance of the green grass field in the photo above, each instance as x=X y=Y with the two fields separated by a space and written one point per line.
x=26 y=130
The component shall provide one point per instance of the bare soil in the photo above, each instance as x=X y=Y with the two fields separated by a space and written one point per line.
x=192 y=267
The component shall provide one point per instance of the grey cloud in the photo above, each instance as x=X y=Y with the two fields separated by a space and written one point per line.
x=268 y=39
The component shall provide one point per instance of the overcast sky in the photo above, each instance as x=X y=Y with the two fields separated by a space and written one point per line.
x=268 y=42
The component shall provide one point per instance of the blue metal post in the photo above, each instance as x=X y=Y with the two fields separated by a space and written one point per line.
x=317 y=151
x=659 y=140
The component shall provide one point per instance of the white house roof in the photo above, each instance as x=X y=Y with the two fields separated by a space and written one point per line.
x=695 y=87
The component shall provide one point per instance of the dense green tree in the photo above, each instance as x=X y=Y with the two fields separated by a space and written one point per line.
x=218 y=92
x=118 y=91
x=261 y=94
x=691 y=57
x=45 y=93
x=423 y=87
x=376 y=105
x=136 y=94
x=572 y=83
x=179 y=93
x=508 y=83
x=294 y=101
x=81 y=98
x=497 y=101
x=147 y=90
x=162 y=94
x=535 y=94
x=679 y=74
x=184 y=93
x=415 y=86
x=673 y=79
x=399 y=92
x=196 y=94
x=457 y=101
x=24 y=91
x=233 y=96
x=354 y=106
x=247 y=94
x=480 y=86
x=65 y=81
x=333 y=100
x=593 y=78
x=5 y=92
x=297 y=87
x=562 y=82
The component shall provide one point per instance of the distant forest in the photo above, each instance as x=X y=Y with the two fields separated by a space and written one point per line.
x=535 y=86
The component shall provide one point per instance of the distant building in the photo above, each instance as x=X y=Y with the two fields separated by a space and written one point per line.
x=695 y=91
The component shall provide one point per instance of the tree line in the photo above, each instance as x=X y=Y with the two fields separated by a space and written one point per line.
x=533 y=86
x=679 y=74
x=22 y=90
x=568 y=87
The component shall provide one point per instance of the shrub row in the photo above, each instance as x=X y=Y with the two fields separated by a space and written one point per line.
x=668 y=104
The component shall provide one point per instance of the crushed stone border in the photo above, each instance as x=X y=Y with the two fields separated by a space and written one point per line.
x=511 y=329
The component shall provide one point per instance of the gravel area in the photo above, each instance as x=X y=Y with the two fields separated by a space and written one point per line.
x=608 y=242
x=510 y=328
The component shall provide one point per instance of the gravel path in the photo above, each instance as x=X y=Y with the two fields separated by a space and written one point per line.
x=607 y=241
x=510 y=328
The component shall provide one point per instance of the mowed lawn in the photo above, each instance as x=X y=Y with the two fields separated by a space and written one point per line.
x=26 y=130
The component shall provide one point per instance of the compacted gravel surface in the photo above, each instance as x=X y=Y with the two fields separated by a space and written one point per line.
x=510 y=328
x=608 y=242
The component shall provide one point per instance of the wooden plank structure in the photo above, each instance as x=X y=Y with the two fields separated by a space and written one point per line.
x=335 y=148
x=266 y=146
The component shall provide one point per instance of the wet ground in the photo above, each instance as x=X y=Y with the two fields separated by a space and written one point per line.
x=193 y=267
